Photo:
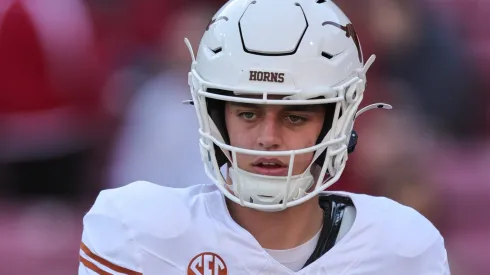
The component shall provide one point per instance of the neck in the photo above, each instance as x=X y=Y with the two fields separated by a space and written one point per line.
x=280 y=230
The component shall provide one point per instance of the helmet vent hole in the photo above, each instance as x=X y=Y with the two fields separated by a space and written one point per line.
x=327 y=55
x=217 y=50
x=320 y=1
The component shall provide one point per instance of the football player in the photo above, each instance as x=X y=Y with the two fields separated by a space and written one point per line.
x=276 y=85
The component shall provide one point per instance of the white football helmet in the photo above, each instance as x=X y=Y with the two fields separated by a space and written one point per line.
x=304 y=50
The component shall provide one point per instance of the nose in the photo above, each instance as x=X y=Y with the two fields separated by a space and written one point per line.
x=269 y=137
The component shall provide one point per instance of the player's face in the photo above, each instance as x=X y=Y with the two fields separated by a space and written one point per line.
x=273 y=128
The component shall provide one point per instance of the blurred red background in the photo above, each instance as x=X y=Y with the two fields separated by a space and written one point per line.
x=90 y=98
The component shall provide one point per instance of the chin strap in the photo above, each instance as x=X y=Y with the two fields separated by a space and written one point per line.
x=333 y=207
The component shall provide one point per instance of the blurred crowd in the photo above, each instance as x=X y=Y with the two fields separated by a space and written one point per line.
x=91 y=92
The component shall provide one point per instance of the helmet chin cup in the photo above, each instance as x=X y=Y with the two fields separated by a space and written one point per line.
x=268 y=190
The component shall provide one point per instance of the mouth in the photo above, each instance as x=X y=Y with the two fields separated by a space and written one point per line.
x=270 y=167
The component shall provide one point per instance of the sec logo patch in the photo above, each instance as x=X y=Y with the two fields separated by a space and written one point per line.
x=207 y=263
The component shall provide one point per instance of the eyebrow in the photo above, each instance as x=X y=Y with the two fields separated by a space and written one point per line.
x=288 y=108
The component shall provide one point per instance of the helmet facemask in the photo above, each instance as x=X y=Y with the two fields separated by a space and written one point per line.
x=274 y=193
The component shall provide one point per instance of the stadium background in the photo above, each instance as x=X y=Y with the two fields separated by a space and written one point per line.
x=90 y=94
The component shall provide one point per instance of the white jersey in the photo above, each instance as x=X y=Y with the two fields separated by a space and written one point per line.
x=144 y=228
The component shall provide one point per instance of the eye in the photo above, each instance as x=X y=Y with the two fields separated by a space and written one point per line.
x=247 y=115
x=294 y=119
